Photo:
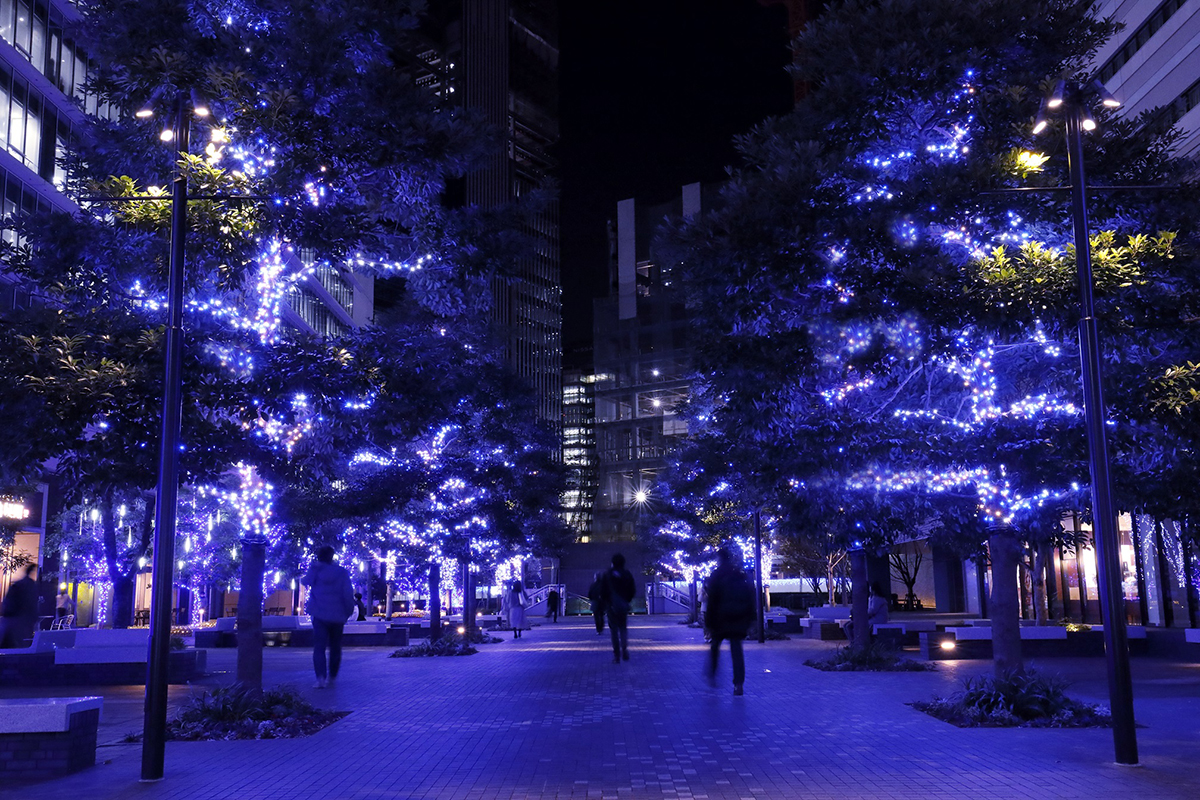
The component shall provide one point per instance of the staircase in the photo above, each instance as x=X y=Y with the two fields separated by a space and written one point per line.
x=668 y=599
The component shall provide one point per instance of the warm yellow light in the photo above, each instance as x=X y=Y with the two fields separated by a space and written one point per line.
x=1031 y=161
x=947 y=644
x=1089 y=124
x=145 y=113
x=461 y=629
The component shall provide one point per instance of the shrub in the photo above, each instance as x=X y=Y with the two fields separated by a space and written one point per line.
x=1016 y=700
x=450 y=644
x=876 y=657
x=238 y=712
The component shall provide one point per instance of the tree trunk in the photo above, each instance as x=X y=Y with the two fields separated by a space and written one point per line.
x=859 y=586
x=1005 y=551
x=468 y=599
x=694 y=599
x=1038 y=579
x=1053 y=606
x=435 y=601
x=122 y=601
x=368 y=595
x=249 y=616
x=831 y=599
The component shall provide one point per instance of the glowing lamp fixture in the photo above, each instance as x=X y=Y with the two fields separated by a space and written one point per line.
x=640 y=495
x=1056 y=98
x=947 y=644
x=1105 y=95
x=199 y=107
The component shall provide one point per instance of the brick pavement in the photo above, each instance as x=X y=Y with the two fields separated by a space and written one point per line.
x=550 y=716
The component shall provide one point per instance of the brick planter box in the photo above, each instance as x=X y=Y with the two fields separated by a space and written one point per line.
x=46 y=737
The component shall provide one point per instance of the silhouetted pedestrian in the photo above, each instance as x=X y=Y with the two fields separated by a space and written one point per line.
x=596 y=595
x=361 y=606
x=877 y=611
x=730 y=612
x=516 y=609
x=552 y=601
x=330 y=604
x=18 y=613
x=618 y=591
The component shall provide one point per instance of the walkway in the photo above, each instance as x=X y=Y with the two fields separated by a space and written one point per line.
x=550 y=716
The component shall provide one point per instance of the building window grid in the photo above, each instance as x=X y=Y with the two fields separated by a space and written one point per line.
x=1138 y=38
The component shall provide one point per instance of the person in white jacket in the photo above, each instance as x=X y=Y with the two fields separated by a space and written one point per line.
x=330 y=604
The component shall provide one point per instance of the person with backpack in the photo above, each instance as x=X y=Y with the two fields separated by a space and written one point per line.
x=729 y=615
x=330 y=604
x=617 y=593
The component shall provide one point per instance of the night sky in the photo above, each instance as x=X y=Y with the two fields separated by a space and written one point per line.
x=652 y=93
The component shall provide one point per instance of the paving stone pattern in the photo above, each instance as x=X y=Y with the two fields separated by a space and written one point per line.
x=550 y=716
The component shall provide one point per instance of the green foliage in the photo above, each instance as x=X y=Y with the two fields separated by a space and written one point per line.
x=1041 y=277
x=1177 y=390
x=239 y=712
x=1025 y=700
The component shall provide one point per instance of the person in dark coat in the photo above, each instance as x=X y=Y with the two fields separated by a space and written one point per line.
x=552 y=601
x=361 y=606
x=18 y=613
x=596 y=595
x=330 y=604
x=729 y=615
x=618 y=592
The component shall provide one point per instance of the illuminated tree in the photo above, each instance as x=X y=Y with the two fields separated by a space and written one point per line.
x=890 y=327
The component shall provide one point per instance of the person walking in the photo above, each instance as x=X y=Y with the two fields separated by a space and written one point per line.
x=330 y=604
x=552 y=601
x=596 y=595
x=64 y=606
x=618 y=592
x=730 y=613
x=19 y=611
x=516 y=609
x=361 y=606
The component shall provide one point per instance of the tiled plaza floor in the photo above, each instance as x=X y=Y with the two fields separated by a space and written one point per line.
x=550 y=716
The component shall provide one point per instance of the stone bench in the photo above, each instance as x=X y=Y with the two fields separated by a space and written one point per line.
x=1046 y=641
x=786 y=623
x=903 y=633
x=823 y=629
x=99 y=646
x=1192 y=635
x=43 y=737
x=829 y=612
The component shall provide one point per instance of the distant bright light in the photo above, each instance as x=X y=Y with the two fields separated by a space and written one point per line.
x=947 y=644
x=167 y=135
x=461 y=629
x=640 y=496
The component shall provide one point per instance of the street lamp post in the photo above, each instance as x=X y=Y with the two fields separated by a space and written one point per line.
x=155 y=721
x=1104 y=523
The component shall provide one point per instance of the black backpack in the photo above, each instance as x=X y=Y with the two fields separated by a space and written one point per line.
x=737 y=600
